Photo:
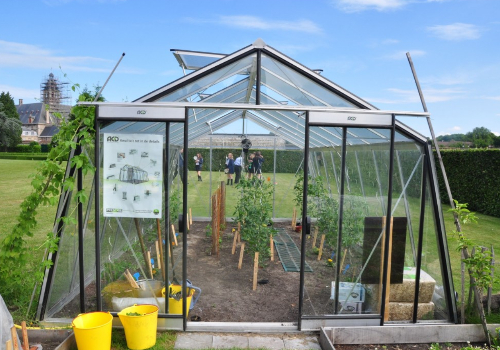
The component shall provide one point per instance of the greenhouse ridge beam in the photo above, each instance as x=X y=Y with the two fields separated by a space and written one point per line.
x=250 y=107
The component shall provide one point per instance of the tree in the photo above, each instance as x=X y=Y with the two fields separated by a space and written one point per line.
x=10 y=129
x=481 y=137
x=9 y=105
x=496 y=141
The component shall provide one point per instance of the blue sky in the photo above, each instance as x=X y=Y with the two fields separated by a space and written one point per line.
x=359 y=44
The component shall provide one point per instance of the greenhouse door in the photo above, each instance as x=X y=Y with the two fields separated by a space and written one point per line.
x=142 y=210
x=348 y=161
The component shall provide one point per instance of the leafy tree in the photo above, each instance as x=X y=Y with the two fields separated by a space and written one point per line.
x=9 y=105
x=496 y=141
x=481 y=137
x=452 y=137
x=10 y=129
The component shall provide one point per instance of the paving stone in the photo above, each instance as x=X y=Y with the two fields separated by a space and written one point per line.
x=273 y=343
x=229 y=341
x=302 y=343
x=193 y=341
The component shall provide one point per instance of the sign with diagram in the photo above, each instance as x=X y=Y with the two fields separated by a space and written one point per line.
x=132 y=175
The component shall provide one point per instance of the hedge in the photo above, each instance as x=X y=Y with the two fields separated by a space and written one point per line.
x=474 y=177
x=24 y=156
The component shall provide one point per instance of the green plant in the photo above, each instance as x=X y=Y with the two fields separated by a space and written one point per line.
x=47 y=184
x=435 y=346
x=174 y=206
x=254 y=211
x=208 y=230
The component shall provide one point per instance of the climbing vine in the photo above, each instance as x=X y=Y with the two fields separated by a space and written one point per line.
x=48 y=182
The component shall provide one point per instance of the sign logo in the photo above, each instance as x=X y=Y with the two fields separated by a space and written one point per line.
x=113 y=139
x=141 y=111
x=351 y=118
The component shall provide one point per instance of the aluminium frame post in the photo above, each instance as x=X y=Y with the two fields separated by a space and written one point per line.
x=97 y=209
x=304 y=214
x=80 y=235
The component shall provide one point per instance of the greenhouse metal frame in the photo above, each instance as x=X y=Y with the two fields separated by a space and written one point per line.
x=260 y=84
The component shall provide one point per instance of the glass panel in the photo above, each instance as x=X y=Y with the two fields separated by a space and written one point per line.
x=237 y=75
x=134 y=221
x=363 y=221
x=434 y=306
x=287 y=86
x=406 y=203
x=323 y=207
x=64 y=298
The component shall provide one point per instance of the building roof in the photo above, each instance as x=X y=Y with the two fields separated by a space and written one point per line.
x=49 y=131
x=35 y=110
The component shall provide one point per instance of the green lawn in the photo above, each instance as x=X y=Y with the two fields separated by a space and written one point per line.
x=14 y=187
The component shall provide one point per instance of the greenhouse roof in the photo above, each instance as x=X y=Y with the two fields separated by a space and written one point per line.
x=256 y=75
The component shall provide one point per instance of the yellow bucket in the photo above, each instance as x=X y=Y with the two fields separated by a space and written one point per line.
x=140 y=330
x=175 y=306
x=93 y=330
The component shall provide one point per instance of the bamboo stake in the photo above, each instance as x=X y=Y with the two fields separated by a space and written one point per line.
x=294 y=218
x=173 y=233
x=158 y=257
x=272 y=248
x=235 y=239
x=159 y=244
x=139 y=233
x=26 y=344
x=462 y=296
x=149 y=264
x=190 y=217
x=240 y=262
x=492 y=271
x=342 y=262
x=315 y=235
x=13 y=334
x=255 y=270
x=321 y=246
x=8 y=345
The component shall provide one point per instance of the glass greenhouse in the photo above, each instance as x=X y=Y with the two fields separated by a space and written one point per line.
x=372 y=247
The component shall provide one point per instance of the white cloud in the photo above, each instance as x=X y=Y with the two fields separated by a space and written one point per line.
x=252 y=22
x=390 y=41
x=494 y=98
x=456 y=128
x=400 y=55
x=399 y=96
x=21 y=55
x=456 y=31
x=362 y=5
x=496 y=133
x=17 y=93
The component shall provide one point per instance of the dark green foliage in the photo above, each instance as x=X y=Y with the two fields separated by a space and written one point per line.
x=24 y=156
x=254 y=211
x=9 y=106
x=287 y=161
x=33 y=147
x=10 y=128
x=474 y=177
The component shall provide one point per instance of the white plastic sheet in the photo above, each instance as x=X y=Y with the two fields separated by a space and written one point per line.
x=6 y=323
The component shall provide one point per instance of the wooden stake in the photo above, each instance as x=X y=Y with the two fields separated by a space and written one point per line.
x=173 y=233
x=239 y=237
x=315 y=235
x=294 y=218
x=150 y=267
x=235 y=239
x=343 y=259
x=240 y=262
x=187 y=221
x=130 y=279
x=255 y=270
x=13 y=334
x=321 y=247
x=272 y=248
x=159 y=244
x=158 y=257
x=26 y=344
x=190 y=217
x=239 y=226
x=8 y=345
